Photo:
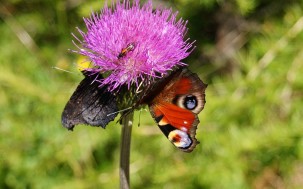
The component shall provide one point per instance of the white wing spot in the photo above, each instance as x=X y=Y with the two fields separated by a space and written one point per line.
x=184 y=129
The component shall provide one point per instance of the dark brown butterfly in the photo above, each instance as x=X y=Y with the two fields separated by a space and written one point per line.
x=89 y=104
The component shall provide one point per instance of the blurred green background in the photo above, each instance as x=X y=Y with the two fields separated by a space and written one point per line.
x=250 y=52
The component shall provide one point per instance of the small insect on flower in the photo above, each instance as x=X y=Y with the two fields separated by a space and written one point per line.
x=130 y=47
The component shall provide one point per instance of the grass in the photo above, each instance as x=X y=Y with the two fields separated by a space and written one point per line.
x=250 y=131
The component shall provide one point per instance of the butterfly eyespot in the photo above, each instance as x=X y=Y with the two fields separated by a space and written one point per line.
x=179 y=138
x=190 y=102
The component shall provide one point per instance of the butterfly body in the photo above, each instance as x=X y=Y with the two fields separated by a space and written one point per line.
x=174 y=102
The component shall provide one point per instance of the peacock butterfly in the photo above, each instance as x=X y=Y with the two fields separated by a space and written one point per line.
x=174 y=102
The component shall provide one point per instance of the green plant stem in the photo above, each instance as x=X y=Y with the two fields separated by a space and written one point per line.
x=127 y=123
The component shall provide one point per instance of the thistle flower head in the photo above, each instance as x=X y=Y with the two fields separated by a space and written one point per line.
x=131 y=43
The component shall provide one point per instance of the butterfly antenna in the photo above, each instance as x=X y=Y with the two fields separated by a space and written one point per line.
x=120 y=111
x=57 y=68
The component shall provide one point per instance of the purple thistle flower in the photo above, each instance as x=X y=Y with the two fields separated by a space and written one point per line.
x=132 y=43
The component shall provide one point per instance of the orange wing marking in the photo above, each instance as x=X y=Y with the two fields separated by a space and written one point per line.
x=177 y=117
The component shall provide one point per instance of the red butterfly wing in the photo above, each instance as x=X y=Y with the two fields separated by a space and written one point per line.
x=181 y=119
x=176 y=106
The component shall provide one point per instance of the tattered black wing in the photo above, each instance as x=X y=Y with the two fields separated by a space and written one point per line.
x=90 y=105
